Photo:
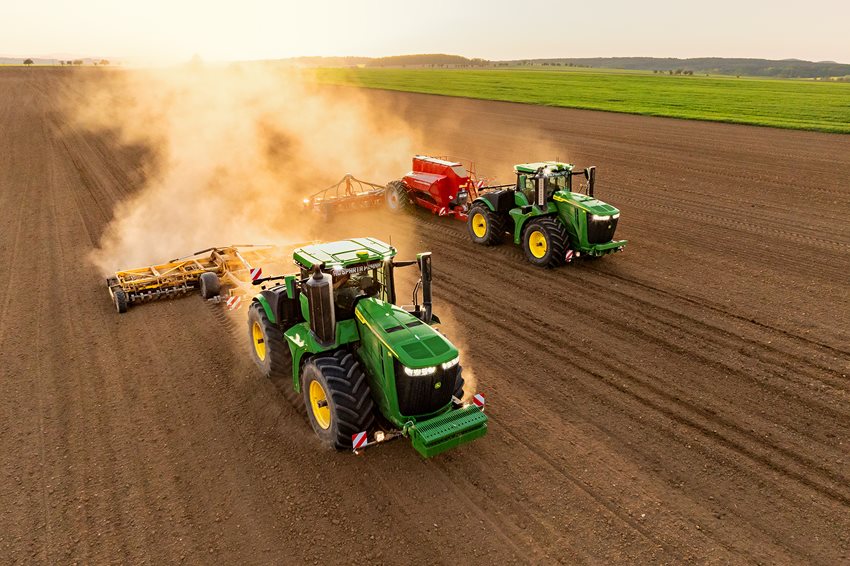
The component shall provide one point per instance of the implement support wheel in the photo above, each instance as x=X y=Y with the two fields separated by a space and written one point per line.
x=210 y=285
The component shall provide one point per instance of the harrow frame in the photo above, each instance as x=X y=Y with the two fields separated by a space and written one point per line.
x=233 y=265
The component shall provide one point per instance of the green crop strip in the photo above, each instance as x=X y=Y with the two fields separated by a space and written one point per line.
x=798 y=104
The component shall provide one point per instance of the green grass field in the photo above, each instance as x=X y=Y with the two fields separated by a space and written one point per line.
x=798 y=104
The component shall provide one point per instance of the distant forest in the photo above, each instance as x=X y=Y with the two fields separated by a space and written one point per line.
x=786 y=68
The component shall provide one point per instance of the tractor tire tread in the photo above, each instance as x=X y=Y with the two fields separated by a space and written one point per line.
x=349 y=390
x=558 y=239
x=279 y=361
x=497 y=225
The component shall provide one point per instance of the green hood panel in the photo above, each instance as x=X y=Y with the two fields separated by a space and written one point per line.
x=413 y=342
x=586 y=203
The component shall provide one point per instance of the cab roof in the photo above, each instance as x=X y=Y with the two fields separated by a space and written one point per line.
x=343 y=253
x=550 y=167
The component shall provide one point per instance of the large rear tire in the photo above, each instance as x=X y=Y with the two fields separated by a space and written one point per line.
x=545 y=242
x=396 y=197
x=210 y=285
x=485 y=226
x=269 y=349
x=338 y=398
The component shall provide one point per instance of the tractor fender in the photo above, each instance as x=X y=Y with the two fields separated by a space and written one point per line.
x=302 y=342
x=265 y=304
x=499 y=201
x=486 y=203
x=521 y=216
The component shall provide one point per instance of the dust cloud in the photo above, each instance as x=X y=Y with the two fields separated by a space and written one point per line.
x=232 y=150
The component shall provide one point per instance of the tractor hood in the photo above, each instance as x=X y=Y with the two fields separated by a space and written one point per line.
x=413 y=342
x=586 y=203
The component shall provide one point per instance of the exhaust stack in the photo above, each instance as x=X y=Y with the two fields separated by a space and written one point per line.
x=320 y=298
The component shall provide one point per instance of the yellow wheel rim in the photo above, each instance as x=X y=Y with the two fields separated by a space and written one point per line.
x=259 y=341
x=479 y=225
x=537 y=244
x=319 y=405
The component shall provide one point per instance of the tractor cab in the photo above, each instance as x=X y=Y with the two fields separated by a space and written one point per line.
x=358 y=268
x=538 y=182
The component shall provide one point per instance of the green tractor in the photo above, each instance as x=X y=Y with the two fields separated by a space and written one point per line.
x=553 y=224
x=368 y=370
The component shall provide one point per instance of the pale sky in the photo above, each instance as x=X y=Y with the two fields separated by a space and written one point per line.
x=255 y=29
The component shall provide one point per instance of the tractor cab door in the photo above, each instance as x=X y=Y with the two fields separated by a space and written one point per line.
x=526 y=187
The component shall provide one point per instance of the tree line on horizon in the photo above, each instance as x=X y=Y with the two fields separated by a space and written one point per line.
x=71 y=62
x=789 y=68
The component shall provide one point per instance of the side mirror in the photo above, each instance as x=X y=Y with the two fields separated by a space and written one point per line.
x=590 y=173
x=424 y=260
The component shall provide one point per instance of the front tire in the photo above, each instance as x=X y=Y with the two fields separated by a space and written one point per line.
x=268 y=346
x=338 y=398
x=545 y=242
x=396 y=197
x=485 y=226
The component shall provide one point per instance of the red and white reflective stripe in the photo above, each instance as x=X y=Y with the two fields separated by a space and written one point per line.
x=480 y=183
x=479 y=401
x=359 y=440
x=569 y=256
x=234 y=302
x=256 y=272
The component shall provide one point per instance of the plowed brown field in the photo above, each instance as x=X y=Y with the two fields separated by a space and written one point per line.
x=684 y=401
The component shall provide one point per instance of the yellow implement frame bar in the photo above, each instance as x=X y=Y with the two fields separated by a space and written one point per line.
x=231 y=264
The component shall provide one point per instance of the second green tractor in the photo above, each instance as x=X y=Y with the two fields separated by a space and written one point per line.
x=543 y=214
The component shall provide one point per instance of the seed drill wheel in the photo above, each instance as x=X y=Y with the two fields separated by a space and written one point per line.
x=268 y=346
x=396 y=197
x=545 y=242
x=338 y=398
x=485 y=226
x=210 y=285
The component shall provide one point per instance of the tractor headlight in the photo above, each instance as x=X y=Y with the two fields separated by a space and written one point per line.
x=420 y=371
x=451 y=363
x=597 y=218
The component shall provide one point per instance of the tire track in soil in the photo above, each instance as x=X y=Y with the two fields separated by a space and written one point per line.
x=665 y=325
